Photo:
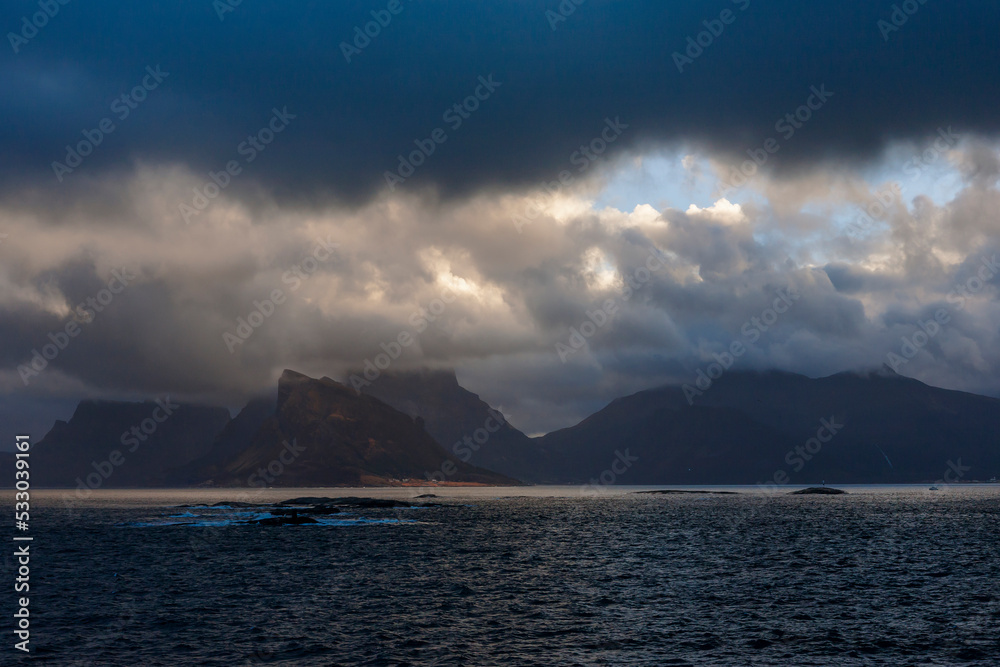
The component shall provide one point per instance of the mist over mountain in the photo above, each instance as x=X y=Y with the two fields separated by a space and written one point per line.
x=323 y=433
x=229 y=444
x=782 y=428
x=108 y=444
x=774 y=428
x=463 y=423
x=771 y=428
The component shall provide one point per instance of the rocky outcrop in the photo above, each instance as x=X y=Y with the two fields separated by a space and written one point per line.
x=818 y=491
x=323 y=433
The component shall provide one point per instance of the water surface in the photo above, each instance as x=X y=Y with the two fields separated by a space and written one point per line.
x=527 y=575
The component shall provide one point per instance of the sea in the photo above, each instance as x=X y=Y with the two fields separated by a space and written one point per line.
x=889 y=575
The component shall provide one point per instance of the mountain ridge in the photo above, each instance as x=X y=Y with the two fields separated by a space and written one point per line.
x=325 y=433
x=423 y=427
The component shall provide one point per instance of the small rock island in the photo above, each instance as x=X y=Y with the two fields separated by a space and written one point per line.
x=818 y=490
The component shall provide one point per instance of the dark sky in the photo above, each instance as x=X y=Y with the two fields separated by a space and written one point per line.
x=605 y=59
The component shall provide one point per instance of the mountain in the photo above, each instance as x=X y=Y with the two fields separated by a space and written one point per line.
x=228 y=445
x=458 y=419
x=322 y=433
x=109 y=444
x=771 y=428
x=780 y=428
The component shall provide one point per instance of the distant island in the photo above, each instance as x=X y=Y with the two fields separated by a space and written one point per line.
x=818 y=491
x=419 y=429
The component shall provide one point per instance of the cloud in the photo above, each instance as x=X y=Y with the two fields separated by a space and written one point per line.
x=472 y=292
x=353 y=119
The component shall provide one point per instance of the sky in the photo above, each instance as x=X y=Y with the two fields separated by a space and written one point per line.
x=565 y=202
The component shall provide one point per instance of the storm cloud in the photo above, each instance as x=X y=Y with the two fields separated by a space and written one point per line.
x=558 y=80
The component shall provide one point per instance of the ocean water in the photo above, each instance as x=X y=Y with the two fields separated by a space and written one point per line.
x=525 y=576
